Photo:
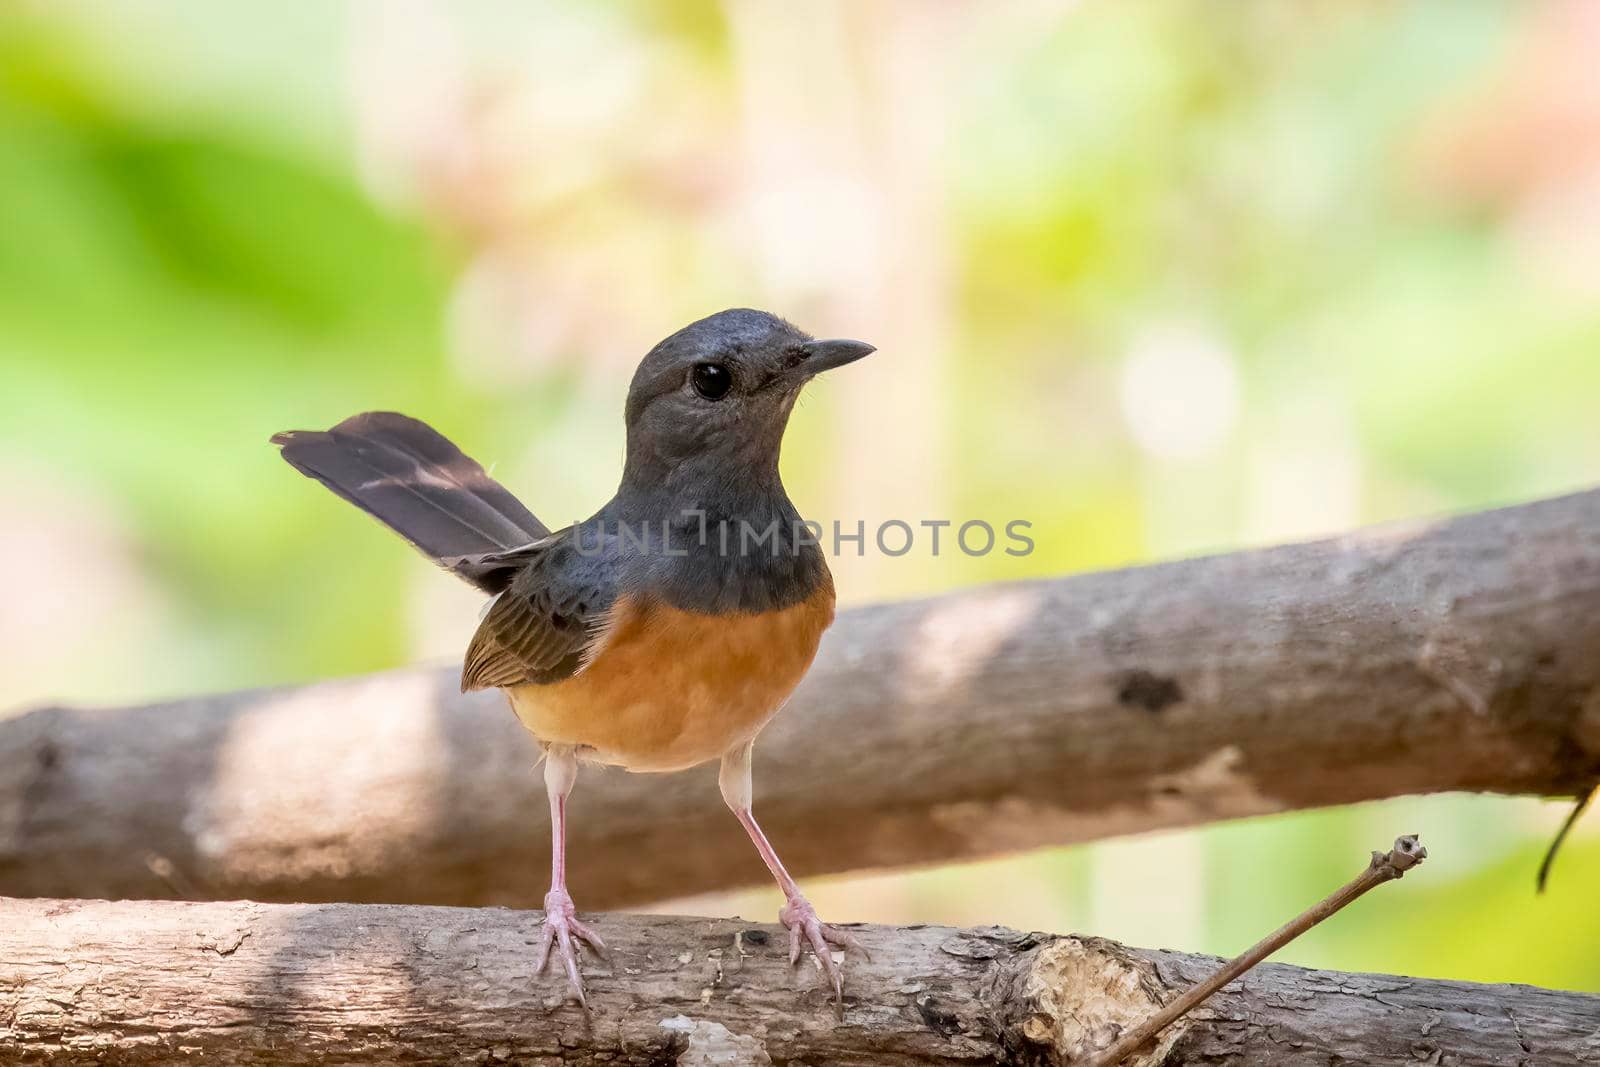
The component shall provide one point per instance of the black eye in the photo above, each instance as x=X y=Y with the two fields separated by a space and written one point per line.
x=711 y=380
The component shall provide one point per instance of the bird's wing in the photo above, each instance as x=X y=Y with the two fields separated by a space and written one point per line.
x=551 y=620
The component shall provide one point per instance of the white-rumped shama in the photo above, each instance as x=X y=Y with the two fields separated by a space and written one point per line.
x=666 y=629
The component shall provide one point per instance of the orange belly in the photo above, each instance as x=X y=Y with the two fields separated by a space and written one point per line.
x=671 y=688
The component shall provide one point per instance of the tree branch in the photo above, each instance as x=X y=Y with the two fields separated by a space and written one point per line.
x=1455 y=655
x=144 y=982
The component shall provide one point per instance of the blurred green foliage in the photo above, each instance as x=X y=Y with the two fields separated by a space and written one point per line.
x=190 y=260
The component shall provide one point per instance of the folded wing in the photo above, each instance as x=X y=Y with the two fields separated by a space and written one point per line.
x=552 y=619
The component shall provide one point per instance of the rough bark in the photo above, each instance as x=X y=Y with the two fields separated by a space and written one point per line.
x=154 y=982
x=1452 y=655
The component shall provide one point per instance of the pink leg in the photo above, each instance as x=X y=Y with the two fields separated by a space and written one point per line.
x=561 y=925
x=797 y=913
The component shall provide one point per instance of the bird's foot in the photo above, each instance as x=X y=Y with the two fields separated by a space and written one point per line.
x=801 y=919
x=562 y=929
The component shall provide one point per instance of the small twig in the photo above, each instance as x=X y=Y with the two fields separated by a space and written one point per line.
x=1385 y=867
x=1561 y=835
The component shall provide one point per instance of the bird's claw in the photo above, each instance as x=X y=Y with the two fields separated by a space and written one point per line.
x=801 y=920
x=561 y=928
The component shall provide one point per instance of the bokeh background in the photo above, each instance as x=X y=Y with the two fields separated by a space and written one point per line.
x=1161 y=278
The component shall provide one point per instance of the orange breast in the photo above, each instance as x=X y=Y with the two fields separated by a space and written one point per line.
x=671 y=688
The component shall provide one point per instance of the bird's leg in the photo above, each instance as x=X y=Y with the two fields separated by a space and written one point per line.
x=797 y=913
x=561 y=925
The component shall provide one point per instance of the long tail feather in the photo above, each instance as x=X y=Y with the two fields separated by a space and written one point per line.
x=408 y=476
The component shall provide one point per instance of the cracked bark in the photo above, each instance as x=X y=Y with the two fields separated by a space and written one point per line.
x=229 y=983
x=1453 y=655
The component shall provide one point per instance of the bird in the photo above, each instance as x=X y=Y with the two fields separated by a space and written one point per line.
x=668 y=628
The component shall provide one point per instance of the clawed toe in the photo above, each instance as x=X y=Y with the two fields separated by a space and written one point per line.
x=561 y=930
x=801 y=920
x=586 y=934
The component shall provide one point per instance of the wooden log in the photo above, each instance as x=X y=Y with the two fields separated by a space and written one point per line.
x=1449 y=655
x=245 y=983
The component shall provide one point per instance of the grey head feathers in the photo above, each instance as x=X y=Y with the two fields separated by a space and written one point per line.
x=678 y=435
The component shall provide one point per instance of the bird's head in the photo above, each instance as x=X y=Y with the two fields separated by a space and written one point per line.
x=715 y=396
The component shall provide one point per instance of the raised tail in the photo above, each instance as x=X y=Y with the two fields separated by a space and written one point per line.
x=406 y=475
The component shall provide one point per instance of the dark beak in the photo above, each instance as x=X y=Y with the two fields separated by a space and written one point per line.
x=818 y=356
